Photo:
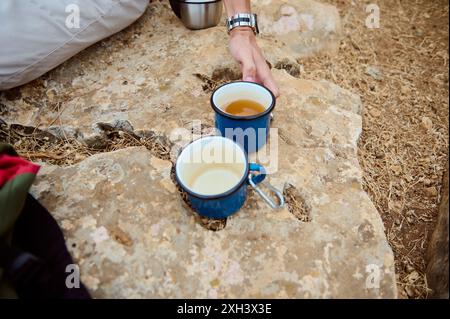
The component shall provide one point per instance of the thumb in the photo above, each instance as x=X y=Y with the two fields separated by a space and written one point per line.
x=248 y=70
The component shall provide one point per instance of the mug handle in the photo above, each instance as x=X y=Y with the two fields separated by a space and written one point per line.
x=254 y=180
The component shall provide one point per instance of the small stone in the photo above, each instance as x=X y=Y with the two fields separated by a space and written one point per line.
x=379 y=155
x=418 y=33
x=123 y=125
x=95 y=141
x=427 y=123
x=51 y=94
x=65 y=132
x=410 y=291
x=375 y=112
x=139 y=81
x=396 y=169
x=405 y=90
x=374 y=72
x=427 y=182
x=431 y=191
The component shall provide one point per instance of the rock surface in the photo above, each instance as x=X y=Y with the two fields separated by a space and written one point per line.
x=437 y=253
x=307 y=27
x=126 y=224
x=135 y=237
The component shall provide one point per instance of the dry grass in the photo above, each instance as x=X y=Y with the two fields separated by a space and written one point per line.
x=296 y=204
x=41 y=146
x=404 y=146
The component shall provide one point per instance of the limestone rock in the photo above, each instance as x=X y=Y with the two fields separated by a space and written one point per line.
x=133 y=236
x=374 y=72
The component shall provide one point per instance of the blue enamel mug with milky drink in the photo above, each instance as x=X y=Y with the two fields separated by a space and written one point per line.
x=214 y=172
x=249 y=131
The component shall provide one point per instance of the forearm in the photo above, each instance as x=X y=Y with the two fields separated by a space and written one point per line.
x=237 y=6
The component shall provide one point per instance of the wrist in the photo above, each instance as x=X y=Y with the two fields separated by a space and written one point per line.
x=243 y=30
x=243 y=21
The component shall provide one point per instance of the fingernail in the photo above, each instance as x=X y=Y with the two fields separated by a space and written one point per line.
x=249 y=79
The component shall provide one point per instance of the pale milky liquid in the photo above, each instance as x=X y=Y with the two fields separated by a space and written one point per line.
x=213 y=179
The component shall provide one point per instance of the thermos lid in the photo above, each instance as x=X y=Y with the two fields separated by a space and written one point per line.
x=176 y=8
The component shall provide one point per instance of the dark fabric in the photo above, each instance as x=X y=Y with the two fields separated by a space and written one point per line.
x=175 y=7
x=37 y=233
x=16 y=177
x=33 y=254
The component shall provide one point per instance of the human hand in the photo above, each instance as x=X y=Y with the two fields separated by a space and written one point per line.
x=245 y=50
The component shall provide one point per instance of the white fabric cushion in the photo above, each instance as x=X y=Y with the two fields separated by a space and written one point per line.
x=34 y=37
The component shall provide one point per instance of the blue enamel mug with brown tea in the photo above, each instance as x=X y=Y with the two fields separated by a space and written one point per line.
x=215 y=173
x=249 y=131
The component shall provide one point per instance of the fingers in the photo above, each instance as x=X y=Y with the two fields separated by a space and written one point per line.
x=272 y=86
x=253 y=64
x=248 y=69
x=264 y=74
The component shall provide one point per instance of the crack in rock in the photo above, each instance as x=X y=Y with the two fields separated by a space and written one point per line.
x=293 y=68
x=218 y=77
x=67 y=145
x=296 y=204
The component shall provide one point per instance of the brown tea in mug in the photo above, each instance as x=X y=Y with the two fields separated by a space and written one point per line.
x=244 y=108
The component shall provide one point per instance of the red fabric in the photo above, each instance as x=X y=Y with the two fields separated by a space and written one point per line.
x=11 y=166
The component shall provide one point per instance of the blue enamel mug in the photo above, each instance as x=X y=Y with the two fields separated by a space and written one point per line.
x=249 y=131
x=214 y=172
